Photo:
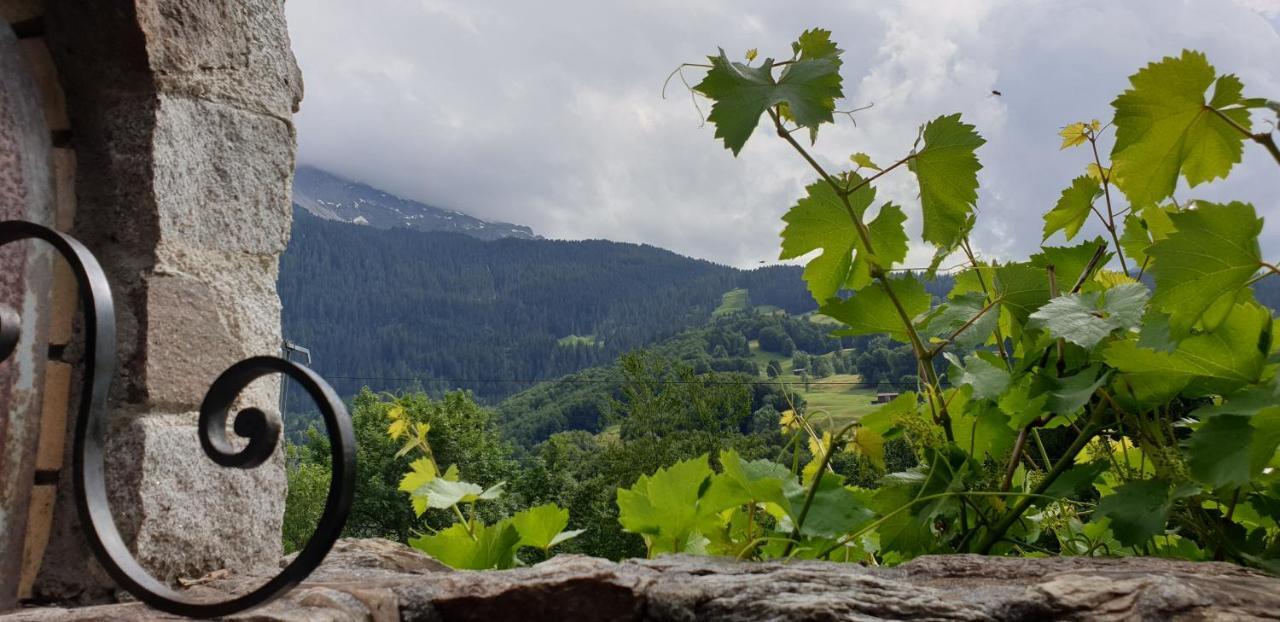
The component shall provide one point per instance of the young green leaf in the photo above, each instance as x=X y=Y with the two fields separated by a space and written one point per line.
x=1073 y=207
x=760 y=481
x=421 y=473
x=808 y=87
x=1022 y=288
x=1074 y=134
x=665 y=507
x=1204 y=263
x=947 y=170
x=863 y=161
x=1068 y=261
x=442 y=493
x=1166 y=127
x=871 y=310
x=542 y=527
x=493 y=546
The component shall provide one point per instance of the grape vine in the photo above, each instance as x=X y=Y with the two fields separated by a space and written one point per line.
x=469 y=543
x=1092 y=415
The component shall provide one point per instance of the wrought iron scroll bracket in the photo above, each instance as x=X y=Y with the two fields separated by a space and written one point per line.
x=263 y=432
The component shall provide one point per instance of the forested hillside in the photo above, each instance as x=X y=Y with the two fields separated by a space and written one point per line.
x=762 y=350
x=381 y=308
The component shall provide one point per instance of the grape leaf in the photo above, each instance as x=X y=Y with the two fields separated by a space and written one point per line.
x=1230 y=355
x=863 y=160
x=1235 y=440
x=1164 y=127
x=442 y=493
x=988 y=377
x=910 y=532
x=1137 y=509
x=1071 y=392
x=665 y=507
x=1024 y=402
x=1073 y=134
x=869 y=444
x=947 y=170
x=1086 y=319
x=871 y=311
x=542 y=527
x=1073 y=207
x=820 y=221
x=1074 y=317
x=493 y=546
x=882 y=418
x=1140 y=231
x=835 y=510
x=1204 y=263
x=422 y=472
x=740 y=482
x=1077 y=479
x=1022 y=288
x=1068 y=261
x=808 y=87
x=981 y=429
x=945 y=319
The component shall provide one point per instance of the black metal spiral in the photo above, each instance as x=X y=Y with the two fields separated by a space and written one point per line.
x=263 y=433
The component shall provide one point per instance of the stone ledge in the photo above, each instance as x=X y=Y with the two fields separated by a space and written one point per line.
x=381 y=580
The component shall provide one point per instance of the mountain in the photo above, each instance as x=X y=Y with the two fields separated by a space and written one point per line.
x=391 y=308
x=328 y=196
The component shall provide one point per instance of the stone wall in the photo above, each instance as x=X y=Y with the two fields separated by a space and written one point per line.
x=26 y=193
x=377 y=580
x=178 y=122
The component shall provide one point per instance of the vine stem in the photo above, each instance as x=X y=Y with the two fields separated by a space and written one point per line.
x=1110 y=222
x=1262 y=138
x=939 y=495
x=931 y=375
x=977 y=270
x=817 y=480
x=1068 y=458
x=968 y=323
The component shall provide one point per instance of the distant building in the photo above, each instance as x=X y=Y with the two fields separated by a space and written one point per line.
x=885 y=398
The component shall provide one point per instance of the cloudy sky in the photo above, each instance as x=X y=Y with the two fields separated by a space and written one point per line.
x=551 y=114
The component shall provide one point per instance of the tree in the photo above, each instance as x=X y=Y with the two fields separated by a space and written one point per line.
x=461 y=433
x=774 y=339
x=774 y=369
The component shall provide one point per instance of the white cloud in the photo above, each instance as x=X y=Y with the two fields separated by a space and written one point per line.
x=549 y=114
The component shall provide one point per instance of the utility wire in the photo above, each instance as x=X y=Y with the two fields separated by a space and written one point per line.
x=772 y=381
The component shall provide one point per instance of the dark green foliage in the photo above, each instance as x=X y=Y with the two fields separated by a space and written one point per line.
x=461 y=433
x=659 y=424
x=580 y=401
x=390 y=306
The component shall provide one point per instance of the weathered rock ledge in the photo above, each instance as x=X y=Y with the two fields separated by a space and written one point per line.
x=380 y=580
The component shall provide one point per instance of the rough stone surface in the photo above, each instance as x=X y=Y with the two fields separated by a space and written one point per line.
x=175 y=520
x=381 y=580
x=25 y=275
x=180 y=113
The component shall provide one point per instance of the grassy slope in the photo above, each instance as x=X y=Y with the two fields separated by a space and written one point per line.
x=570 y=340
x=732 y=300
x=829 y=403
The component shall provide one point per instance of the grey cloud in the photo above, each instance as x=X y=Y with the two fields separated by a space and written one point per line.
x=549 y=114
